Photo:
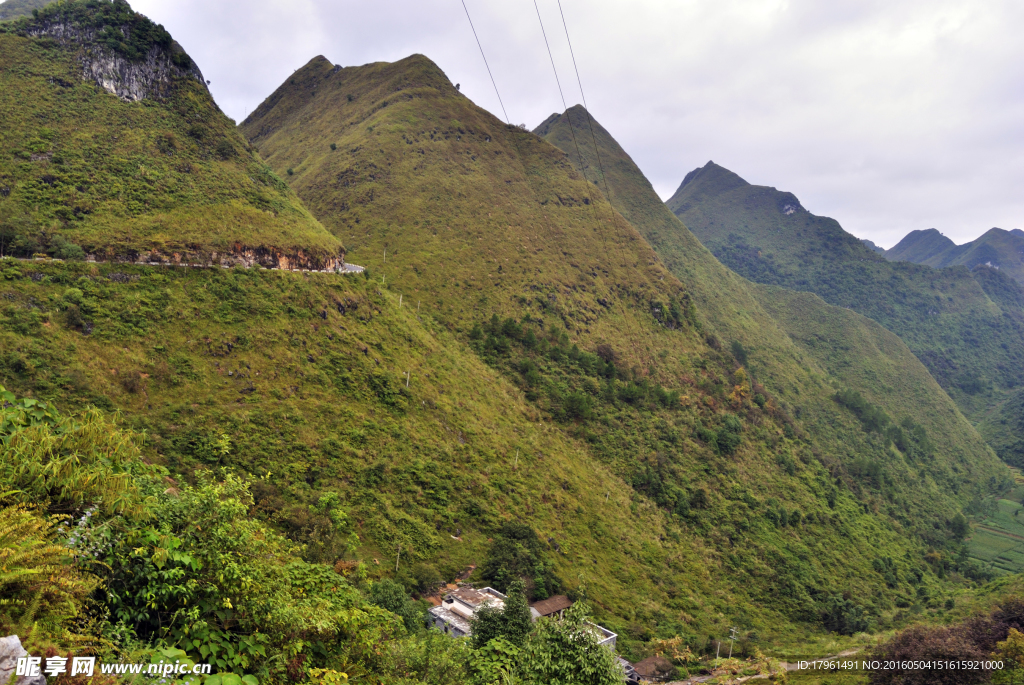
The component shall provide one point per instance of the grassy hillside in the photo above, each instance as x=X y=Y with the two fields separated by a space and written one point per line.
x=796 y=344
x=999 y=249
x=920 y=246
x=971 y=342
x=82 y=170
x=299 y=379
x=12 y=9
x=478 y=219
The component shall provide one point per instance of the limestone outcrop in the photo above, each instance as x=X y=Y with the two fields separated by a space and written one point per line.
x=130 y=80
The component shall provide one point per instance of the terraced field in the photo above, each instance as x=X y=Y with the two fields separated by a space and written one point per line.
x=999 y=538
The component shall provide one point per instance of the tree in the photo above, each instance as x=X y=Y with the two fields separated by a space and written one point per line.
x=387 y=594
x=1011 y=652
x=511 y=623
x=959 y=526
x=517 y=554
x=566 y=651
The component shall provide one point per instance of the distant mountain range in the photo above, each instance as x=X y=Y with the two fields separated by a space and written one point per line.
x=966 y=326
x=537 y=340
x=997 y=248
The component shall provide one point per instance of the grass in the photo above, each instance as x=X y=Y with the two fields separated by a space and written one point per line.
x=996 y=247
x=304 y=376
x=468 y=217
x=118 y=179
x=998 y=538
x=966 y=327
x=799 y=347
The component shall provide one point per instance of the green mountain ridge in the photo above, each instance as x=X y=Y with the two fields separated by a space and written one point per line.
x=691 y=450
x=996 y=248
x=964 y=325
x=12 y=9
x=796 y=344
x=151 y=169
x=466 y=216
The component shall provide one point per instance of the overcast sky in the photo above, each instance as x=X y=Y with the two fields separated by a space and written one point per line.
x=888 y=115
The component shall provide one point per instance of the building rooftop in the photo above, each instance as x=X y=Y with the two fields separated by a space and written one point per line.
x=451 y=618
x=551 y=605
x=477 y=598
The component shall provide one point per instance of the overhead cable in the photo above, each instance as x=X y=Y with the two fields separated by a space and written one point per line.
x=493 y=83
x=564 y=106
x=585 y=106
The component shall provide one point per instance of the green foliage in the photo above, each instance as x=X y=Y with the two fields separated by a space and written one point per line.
x=209 y=579
x=430 y=657
x=117 y=27
x=11 y=9
x=966 y=327
x=566 y=650
x=517 y=555
x=494 y=662
x=844 y=616
x=84 y=172
x=908 y=437
x=42 y=590
x=69 y=462
x=389 y=595
x=509 y=624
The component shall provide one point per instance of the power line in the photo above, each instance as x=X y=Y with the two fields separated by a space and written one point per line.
x=493 y=83
x=564 y=106
x=585 y=106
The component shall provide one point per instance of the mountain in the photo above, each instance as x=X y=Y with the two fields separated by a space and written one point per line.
x=12 y=9
x=113 y=146
x=796 y=344
x=491 y=232
x=962 y=324
x=920 y=246
x=998 y=249
x=871 y=246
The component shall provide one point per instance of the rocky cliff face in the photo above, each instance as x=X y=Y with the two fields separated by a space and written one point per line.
x=130 y=80
x=239 y=255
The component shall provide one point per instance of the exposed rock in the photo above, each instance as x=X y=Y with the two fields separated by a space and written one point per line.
x=241 y=255
x=129 y=80
x=10 y=651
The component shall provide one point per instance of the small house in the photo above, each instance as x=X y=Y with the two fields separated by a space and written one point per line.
x=452 y=617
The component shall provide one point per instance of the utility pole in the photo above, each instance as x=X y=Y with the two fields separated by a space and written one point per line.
x=398 y=556
x=516 y=465
x=408 y=376
x=717 y=651
x=732 y=637
x=399 y=301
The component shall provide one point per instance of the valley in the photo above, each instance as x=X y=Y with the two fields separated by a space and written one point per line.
x=224 y=442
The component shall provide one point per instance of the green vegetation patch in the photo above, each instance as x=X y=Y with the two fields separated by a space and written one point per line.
x=83 y=172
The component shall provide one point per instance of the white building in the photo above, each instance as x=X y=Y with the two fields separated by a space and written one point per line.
x=452 y=617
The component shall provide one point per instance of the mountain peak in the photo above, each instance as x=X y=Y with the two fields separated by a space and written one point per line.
x=714 y=175
x=120 y=50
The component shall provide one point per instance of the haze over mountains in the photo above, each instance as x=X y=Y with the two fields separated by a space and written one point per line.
x=760 y=423
x=966 y=326
x=996 y=248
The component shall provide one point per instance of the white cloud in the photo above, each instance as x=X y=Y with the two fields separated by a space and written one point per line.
x=887 y=115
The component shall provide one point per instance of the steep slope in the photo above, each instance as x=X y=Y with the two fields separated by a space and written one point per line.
x=480 y=219
x=112 y=145
x=999 y=249
x=796 y=344
x=972 y=344
x=12 y=9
